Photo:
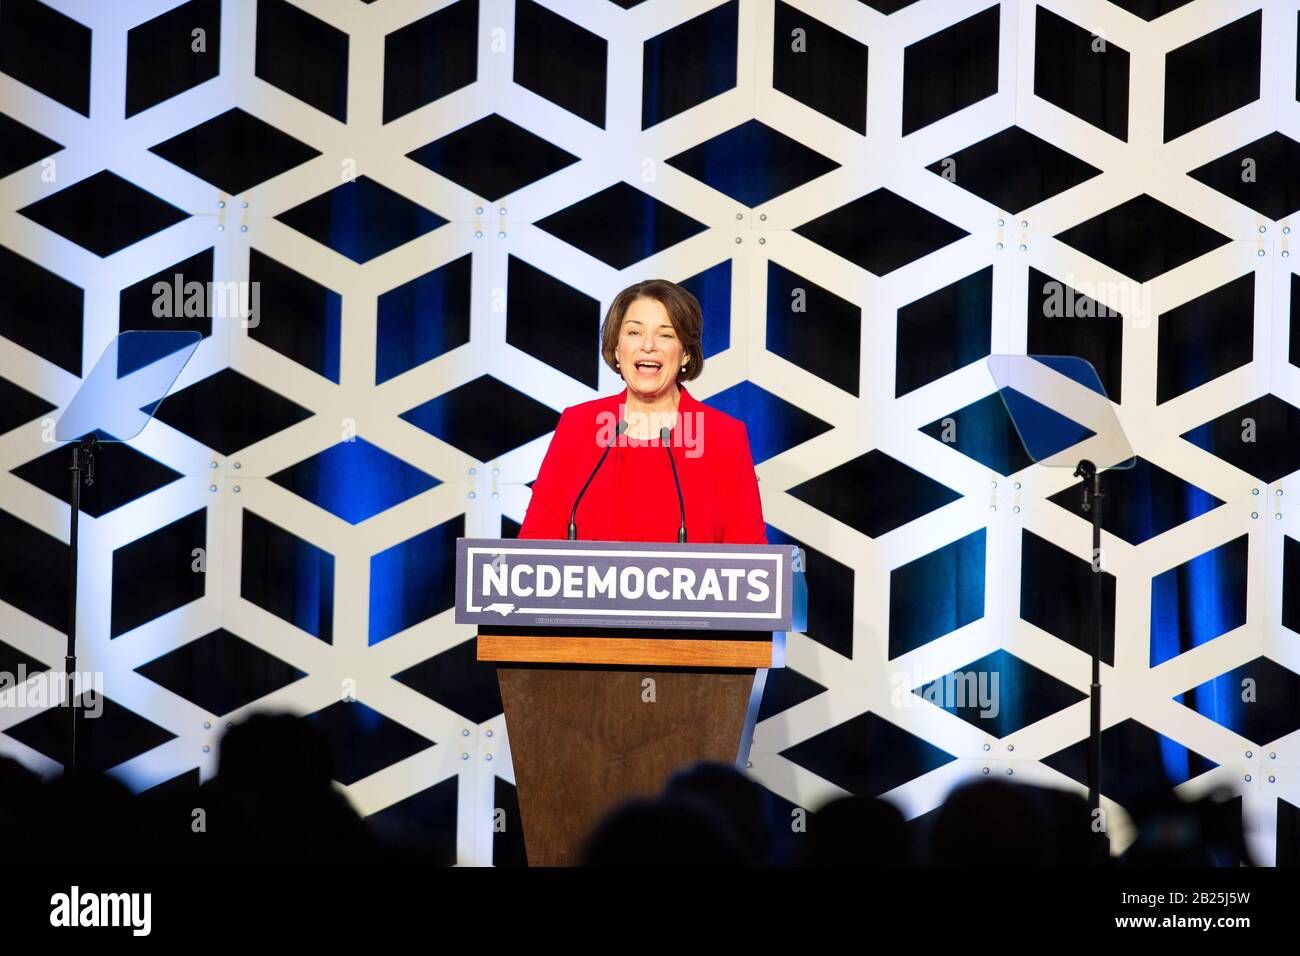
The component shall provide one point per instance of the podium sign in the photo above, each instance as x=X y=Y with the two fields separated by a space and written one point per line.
x=575 y=628
x=604 y=584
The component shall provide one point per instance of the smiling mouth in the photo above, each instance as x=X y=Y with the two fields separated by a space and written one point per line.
x=648 y=368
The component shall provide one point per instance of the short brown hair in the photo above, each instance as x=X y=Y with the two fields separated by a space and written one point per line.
x=683 y=312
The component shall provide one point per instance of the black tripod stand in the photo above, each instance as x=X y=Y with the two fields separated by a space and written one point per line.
x=82 y=468
x=1092 y=498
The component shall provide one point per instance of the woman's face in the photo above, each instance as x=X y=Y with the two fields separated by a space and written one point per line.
x=649 y=351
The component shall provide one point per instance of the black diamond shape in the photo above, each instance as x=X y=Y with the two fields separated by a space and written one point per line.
x=943 y=331
x=19 y=406
x=752 y=163
x=1212 y=75
x=354 y=480
x=1064 y=321
x=457 y=680
x=881 y=231
x=361 y=219
x=184 y=306
x=1288 y=834
x=430 y=58
x=560 y=61
x=621 y=225
x=113 y=737
x=874 y=493
x=802 y=317
x=1072 y=72
x=534 y=299
x=774 y=425
x=288 y=576
x=950 y=70
x=1135 y=761
x=689 y=64
x=1056 y=595
x=1294 y=353
x=229 y=411
x=220 y=672
x=1262 y=438
x=1260 y=700
x=161 y=59
x=421 y=829
x=398 y=600
x=1180 y=618
x=1142 y=502
x=1291 y=583
x=834 y=82
x=122 y=475
x=235 y=151
x=304 y=56
x=508 y=841
x=422 y=319
x=46 y=50
x=303 y=318
x=1014 y=169
x=830 y=612
x=983 y=432
x=484 y=418
x=936 y=594
x=712 y=288
x=34 y=572
x=184 y=784
x=20 y=146
x=867 y=755
x=786 y=688
x=363 y=740
x=104 y=213
x=17 y=665
x=1273 y=188
x=155 y=574
x=493 y=157
x=1142 y=238
x=1150 y=9
x=1023 y=694
x=40 y=311
x=1224 y=316
x=887 y=6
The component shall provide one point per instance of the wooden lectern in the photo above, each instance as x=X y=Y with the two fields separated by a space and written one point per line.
x=599 y=712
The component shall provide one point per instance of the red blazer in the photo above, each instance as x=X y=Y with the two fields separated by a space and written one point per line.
x=632 y=497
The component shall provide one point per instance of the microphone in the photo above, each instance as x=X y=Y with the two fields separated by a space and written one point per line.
x=664 y=434
x=573 y=527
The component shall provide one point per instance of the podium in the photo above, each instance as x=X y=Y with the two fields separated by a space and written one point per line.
x=628 y=661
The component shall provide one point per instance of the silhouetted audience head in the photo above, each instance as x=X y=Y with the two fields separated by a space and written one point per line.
x=273 y=802
x=278 y=754
x=992 y=823
x=679 y=831
x=855 y=831
x=1076 y=840
x=1174 y=832
x=734 y=796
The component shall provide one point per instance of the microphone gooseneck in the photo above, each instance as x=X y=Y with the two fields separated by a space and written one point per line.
x=573 y=512
x=664 y=435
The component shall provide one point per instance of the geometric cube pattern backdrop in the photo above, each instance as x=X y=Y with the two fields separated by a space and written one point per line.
x=430 y=206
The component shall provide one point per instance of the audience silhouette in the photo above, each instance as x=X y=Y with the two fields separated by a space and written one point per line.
x=273 y=802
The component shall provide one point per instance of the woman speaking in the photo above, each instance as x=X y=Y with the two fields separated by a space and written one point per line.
x=650 y=463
